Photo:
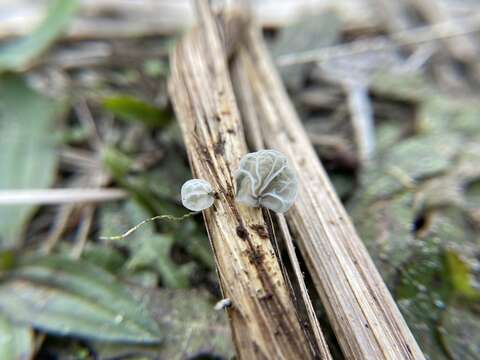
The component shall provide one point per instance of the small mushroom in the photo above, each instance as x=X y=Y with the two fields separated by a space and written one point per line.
x=266 y=178
x=197 y=194
x=223 y=304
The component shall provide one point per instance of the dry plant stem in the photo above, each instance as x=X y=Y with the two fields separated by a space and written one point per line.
x=84 y=229
x=60 y=196
x=362 y=119
x=255 y=141
x=397 y=22
x=393 y=15
x=140 y=224
x=363 y=314
x=463 y=48
x=320 y=340
x=86 y=118
x=263 y=318
x=447 y=30
x=61 y=221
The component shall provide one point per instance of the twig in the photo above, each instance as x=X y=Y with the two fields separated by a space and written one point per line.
x=61 y=220
x=83 y=231
x=419 y=35
x=418 y=58
x=59 y=196
x=362 y=119
x=396 y=20
x=79 y=160
x=85 y=117
x=463 y=48
x=337 y=142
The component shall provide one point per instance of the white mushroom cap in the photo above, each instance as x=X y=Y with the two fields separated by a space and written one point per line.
x=266 y=178
x=197 y=194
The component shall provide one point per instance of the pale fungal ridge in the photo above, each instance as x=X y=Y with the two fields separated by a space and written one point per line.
x=266 y=178
x=197 y=194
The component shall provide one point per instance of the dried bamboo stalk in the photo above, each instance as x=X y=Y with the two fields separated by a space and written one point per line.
x=255 y=141
x=263 y=319
x=364 y=316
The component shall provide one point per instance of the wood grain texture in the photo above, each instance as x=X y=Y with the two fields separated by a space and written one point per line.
x=263 y=319
x=255 y=142
x=363 y=314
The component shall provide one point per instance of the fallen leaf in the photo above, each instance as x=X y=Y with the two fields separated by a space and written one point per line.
x=74 y=298
x=192 y=327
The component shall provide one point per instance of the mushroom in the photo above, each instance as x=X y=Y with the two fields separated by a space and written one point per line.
x=197 y=194
x=266 y=178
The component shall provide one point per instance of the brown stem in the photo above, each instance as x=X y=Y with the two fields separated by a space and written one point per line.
x=262 y=316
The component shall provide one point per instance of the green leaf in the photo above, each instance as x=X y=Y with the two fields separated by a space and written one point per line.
x=149 y=250
x=416 y=209
x=20 y=54
x=155 y=68
x=116 y=162
x=402 y=86
x=75 y=298
x=194 y=327
x=439 y=114
x=194 y=240
x=409 y=161
x=154 y=252
x=155 y=189
x=161 y=189
x=460 y=333
x=16 y=342
x=104 y=256
x=460 y=276
x=7 y=260
x=133 y=109
x=27 y=149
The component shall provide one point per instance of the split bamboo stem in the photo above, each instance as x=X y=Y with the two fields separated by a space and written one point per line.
x=364 y=316
x=255 y=142
x=264 y=322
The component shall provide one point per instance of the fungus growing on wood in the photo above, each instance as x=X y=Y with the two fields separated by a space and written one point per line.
x=197 y=194
x=266 y=178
